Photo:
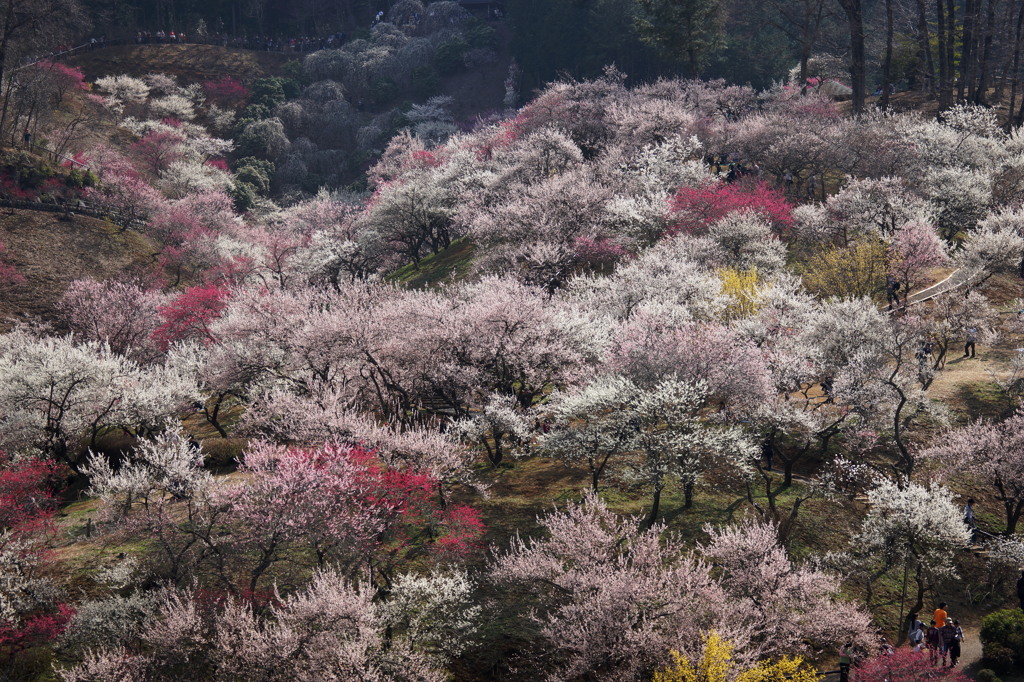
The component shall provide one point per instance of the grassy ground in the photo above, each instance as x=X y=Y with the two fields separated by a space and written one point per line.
x=51 y=251
x=453 y=263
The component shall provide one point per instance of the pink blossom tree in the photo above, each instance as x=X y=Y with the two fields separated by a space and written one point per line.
x=915 y=251
x=989 y=454
x=122 y=314
x=614 y=599
x=326 y=506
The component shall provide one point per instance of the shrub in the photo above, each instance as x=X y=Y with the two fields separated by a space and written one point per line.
x=1002 y=634
x=449 y=55
x=986 y=675
x=268 y=91
x=425 y=81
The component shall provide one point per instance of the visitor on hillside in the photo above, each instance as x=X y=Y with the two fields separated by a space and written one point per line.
x=972 y=336
x=27 y=137
x=969 y=518
x=812 y=186
x=948 y=636
x=1020 y=589
x=892 y=288
x=954 y=648
x=933 y=640
x=916 y=634
x=788 y=179
x=940 y=616
x=768 y=450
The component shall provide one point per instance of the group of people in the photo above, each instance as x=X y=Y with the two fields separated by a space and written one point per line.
x=147 y=37
x=942 y=639
x=731 y=166
x=925 y=351
x=262 y=43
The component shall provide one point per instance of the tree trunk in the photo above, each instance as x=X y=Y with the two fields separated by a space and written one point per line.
x=855 y=19
x=925 y=51
x=951 y=47
x=1015 y=71
x=944 y=65
x=655 y=507
x=966 y=86
x=985 y=62
x=915 y=610
x=688 y=493
x=887 y=64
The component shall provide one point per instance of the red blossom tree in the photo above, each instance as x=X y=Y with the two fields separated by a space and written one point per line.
x=28 y=491
x=35 y=630
x=189 y=315
x=227 y=90
x=695 y=209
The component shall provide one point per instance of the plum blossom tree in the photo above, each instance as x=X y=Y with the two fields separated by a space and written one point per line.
x=866 y=206
x=168 y=465
x=745 y=241
x=121 y=314
x=613 y=599
x=799 y=593
x=58 y=392
x=23 y=587
x=915 y=250
x=28 y=491
x=500 y=420
x=329 y=630
x=913 y=527
x=589 y=425
x=190 y=315
x=673 y=441
x=648 y=348
x=516 y=340
x=328 y=506
x=996 y=246
x=990 y=454
x=694 y=210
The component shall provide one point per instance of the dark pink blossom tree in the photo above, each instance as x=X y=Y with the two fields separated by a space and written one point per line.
x=190 y=315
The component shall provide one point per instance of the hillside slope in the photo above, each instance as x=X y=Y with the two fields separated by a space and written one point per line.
x=188 y=62
x=51 y=251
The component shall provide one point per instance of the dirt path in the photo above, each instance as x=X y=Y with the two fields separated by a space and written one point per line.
x=970 y=659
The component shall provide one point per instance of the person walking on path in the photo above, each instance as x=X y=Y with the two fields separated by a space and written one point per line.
x=892 y=288
x=948 y=635
x=954 y=648
x=972 y=336
x=1020 y=589
x=916 y=634
x=969 y=519
x=940 y=615
x=933 y=640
